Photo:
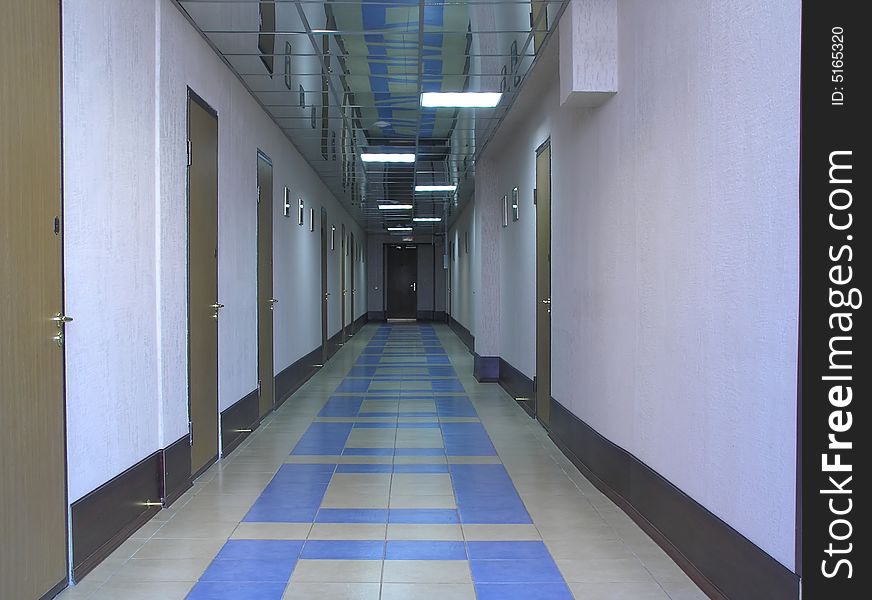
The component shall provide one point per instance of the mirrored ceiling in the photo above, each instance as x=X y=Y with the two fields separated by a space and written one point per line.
x=345 y=78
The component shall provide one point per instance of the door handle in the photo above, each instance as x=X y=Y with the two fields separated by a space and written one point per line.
x=272 y=303
x=414 y=287
x=217 y=306
x=546 y=301
x=326 y=295
x=60 y=319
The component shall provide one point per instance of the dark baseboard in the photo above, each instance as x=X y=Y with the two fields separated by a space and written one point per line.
x=486 y=369
x=358 y=324
x=431 y=316
x=376 y=315
x=463 y=333
x=334 y=344
x=175 y=467
x=103 y=519
x=720 y=560
x=290 y=379
x=238 y=421
x=54 y=591
x=518 y=386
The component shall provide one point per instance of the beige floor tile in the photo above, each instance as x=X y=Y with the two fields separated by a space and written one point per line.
x=153 y=590
x=426 y=571
x=427 y=591
x=497 y=533
x=684 y=590
x=271 y=531
x=183 y=529
x=337 y=571
x=167 y=569
x=419 y=501
x=603 y=570
x=176 y=548
x=618 y=591
x=331 y=591
x=403 y=531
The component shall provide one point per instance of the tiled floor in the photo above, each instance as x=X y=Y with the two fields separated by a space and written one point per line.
x=392 y=475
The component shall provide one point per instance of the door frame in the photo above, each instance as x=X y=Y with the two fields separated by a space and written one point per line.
x=261 y=155
x=193 y=96
x=58 y=202
x=323 y=297
x=543 y=416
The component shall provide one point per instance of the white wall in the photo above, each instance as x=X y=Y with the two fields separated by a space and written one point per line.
x=127 y=67
x=112 y=362
x=461 y=284
x=674 y=251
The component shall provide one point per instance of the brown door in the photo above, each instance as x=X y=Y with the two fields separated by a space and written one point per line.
x=33 y=546
x=353 y=260
x=543 y=283
x=324 y=293
x=203 y=306
x=343 y=288
x=265 y=300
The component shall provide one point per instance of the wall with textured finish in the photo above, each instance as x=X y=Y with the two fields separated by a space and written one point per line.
x=460 y=280
x=674 y=251
x=110 y=265
x=127 y=68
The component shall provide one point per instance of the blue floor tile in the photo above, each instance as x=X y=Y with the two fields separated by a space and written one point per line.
x=437 y=468
x=364 y=468
x=506 y=550
x=536 y=570
x=264 y=570
x=279 y=514
x=424 y=550
x=343 y=550
x=433 y=516
x=522 y=591
x=206 y=590
x=258 y=549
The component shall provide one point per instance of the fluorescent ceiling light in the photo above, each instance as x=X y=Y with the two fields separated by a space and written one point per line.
x=427 y=219
x=460 y=99
x=395 y=207
x=435 y=188
x=388 y=158
x=399 y=229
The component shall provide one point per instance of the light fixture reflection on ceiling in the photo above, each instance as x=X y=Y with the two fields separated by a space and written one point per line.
x=399 y=229
x=395 y=207
x=387 y=158
x=435 y=188
x=428 y=219
x=382 y=124
x=460 y=99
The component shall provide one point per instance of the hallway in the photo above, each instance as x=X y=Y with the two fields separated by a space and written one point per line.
x=392 y=474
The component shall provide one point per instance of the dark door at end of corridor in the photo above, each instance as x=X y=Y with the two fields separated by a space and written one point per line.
x=401 y=281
